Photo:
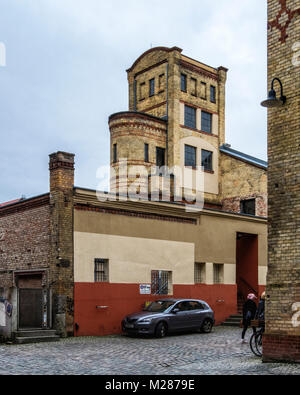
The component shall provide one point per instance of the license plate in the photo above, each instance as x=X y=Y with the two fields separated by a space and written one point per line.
x=129 y=326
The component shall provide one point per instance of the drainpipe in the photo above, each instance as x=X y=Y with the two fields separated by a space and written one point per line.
x=167 y=137
x=134 y=93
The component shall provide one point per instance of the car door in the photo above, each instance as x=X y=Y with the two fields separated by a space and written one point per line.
x=181 y=320
x=197 y=313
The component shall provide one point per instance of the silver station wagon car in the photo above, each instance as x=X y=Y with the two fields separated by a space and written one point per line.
x=170 y=315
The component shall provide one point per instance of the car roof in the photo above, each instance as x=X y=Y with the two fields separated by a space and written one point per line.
x=179 y=300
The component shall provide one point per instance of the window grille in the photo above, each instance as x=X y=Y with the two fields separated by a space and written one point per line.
x=200 y=273
x=101 y=270
x=160 y=282
x=218 y=273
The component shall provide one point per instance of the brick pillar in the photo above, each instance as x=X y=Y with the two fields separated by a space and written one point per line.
x=61 y=168
x=282 y=338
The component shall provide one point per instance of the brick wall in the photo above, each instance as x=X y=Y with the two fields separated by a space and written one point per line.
x=242 y=181
x=25 y=240
x=283 y=281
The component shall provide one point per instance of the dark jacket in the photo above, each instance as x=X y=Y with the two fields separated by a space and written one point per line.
x=249 y=310
x=260 y=313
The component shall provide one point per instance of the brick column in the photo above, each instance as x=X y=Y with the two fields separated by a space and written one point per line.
x=62 y=273
x=282 y=338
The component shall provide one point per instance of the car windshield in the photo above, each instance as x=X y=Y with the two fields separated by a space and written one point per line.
x=159 y=306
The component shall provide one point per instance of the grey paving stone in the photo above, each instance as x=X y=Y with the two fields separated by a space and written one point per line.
x=217 y=353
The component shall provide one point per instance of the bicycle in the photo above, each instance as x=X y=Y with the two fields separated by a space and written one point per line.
x=256 y=340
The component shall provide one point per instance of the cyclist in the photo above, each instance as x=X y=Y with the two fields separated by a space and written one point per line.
x=249 y=310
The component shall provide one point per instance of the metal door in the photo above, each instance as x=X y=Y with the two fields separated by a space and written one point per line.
x=30 y=308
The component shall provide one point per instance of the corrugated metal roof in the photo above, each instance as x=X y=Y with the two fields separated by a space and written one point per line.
x=226 y=149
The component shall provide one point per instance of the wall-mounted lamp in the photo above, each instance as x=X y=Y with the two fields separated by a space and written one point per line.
x=272 y=100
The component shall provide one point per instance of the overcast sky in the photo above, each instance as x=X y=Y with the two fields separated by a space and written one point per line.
x=65 y=73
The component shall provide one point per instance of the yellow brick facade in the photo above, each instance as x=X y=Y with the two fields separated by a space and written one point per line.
x=156 y=117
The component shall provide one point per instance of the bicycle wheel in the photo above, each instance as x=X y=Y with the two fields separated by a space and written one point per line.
x=258 y=344
x=253 y=345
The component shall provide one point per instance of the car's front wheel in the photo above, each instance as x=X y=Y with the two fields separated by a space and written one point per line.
x=206 y=326
x=161 y=330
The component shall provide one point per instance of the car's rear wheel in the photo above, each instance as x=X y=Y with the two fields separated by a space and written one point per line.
x=206 y=326
x=161 y=330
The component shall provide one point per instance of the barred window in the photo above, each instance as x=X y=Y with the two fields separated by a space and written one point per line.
x=218 y=273
x=200 y=273
x=101 y=270
x=161 y=282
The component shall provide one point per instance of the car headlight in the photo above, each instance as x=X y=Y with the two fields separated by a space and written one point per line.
x=145 y=321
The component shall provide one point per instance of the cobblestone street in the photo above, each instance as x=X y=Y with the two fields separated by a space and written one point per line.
x=218 y=353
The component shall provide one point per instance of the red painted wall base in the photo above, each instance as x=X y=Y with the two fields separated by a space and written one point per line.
x=100 y=307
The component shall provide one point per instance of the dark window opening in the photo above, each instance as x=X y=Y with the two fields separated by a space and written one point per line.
x=190 y=156
x=183 y=83
x=248 y=206
x=115 y=153
x=212 y=94
x=206 y=160
x=160 y=157
x=206 y=122
x=152 y=87
x=146 y=152
x=190 y=117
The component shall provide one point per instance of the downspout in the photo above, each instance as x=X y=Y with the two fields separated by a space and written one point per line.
x=167 y=114
x=134 y=93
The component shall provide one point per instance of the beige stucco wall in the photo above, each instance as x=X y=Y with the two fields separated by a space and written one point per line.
x=136 y=245
x=131 y=259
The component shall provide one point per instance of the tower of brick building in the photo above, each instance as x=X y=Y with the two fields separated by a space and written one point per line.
x=282 y=339
x=165 y=89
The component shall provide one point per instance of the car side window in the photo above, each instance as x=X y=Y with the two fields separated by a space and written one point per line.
x=196 y=306
x=182 y=306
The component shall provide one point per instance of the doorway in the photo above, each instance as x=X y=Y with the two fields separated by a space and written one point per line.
x=246 y=266
x=32 y=302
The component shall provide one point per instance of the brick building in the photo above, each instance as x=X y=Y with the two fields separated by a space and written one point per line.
x=78 y=260
x=282 y=339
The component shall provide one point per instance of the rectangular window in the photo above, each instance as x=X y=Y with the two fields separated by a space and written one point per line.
x=190 y=117
x=101 y=270
x=199 y=273
x=248 y=207
x=193 y=87
x=207 y=160
x=190 y=154
x=160 y=157
x=218 y=273
x=152 y=87
x=206 y=122
x=161 y=82
x=183 y=83
x=146 y=152
x=203 y=93
x=161 y=282
x=212 y=94
x=142 y=90
x=115 y=153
